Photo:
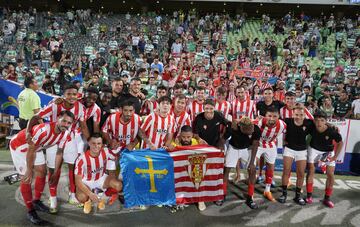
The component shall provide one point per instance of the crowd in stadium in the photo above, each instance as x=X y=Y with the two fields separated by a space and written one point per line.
x=180 y=79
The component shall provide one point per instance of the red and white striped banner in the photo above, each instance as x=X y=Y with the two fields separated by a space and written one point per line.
x=198 y=174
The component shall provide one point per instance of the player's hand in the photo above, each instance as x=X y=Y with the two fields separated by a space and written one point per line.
x=152 y=147
x=28 y=176
x=332 y=159
x=58 y=101
x=201 y=141
x=170 y=147
x=53 y=177
x=141 y=96
x=114 y=144
x=93 y=197
x=28 y=138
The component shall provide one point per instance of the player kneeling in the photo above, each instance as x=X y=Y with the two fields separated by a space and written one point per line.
x=90 y=174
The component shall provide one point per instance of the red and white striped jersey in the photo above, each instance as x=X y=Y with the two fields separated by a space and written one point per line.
x=269 y=135
x=194 y=108
x=52 y=112
x=243 y=108
x=231 y=97
x=157 y=128
x=224 y=108
x=43 y=136
x=93 y=111
x=148 y=107
x=124 y=133
x=93 y=168
x=288 y=113
x=180 y=120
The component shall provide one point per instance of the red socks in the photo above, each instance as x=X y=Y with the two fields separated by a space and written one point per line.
x=53 y=186
x=328 y=191
x=110 y=191
x=39 y=187
x=225 y=187
x=251 y=188
x=72 y=181
x=309 y=187
x=268 y=176
x=26 y=193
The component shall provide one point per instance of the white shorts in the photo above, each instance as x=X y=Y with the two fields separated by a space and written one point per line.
x=297 y=155
x=19 y=158
x=233 y=155
x=96 y=184
x=71 y=151
x=270 y=154
x=316 y=155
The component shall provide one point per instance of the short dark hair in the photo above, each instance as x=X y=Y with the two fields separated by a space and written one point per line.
x=268 y=89
x=70 y=86
x=106 y=90
x=186 y=128
x=127 y=103
x=221 y=90
x=93 y=90
x=209 y=102
x=164 y=99
x=95 y=135
x=272 y=110
x=320 y=114
x=290 y=94
x=67 y=113
x=28 y=80
x=161 y=87
x=135 y=79
x=180 y=96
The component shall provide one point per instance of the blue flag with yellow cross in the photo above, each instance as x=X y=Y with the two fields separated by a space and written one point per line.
x=148 y=177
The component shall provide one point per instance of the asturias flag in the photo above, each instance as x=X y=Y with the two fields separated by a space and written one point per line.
x=148 y=177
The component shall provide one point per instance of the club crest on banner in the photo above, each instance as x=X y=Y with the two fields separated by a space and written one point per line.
x=197 y=168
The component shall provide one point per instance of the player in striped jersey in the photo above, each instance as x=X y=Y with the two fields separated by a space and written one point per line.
x=122 y=129
x=74 y=146
x=90 y=173
x=160 y=127
x=197 y=106
x=221 y=104
x=179 y=113
x=242 y=106
x=27 y=155
x=287 y=110
x=93 y=111
x=271 y=126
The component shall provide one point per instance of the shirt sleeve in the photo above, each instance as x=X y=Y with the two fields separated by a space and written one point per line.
x=105 y=128
x=47 y=111
x=96 y=117
x=337 y=136
x=147 y=123
x=79 y=166
x=39 y=135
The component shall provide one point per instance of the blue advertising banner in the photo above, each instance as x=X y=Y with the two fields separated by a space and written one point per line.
x=9 y=92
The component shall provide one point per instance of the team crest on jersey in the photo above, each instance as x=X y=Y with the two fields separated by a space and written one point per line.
x=197 y=169
x=304 y=128
x=326 y=137
x=205 y=127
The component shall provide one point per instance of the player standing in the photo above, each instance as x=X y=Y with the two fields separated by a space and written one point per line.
x=27 y=155
x=271 y=126
x=323 y=138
